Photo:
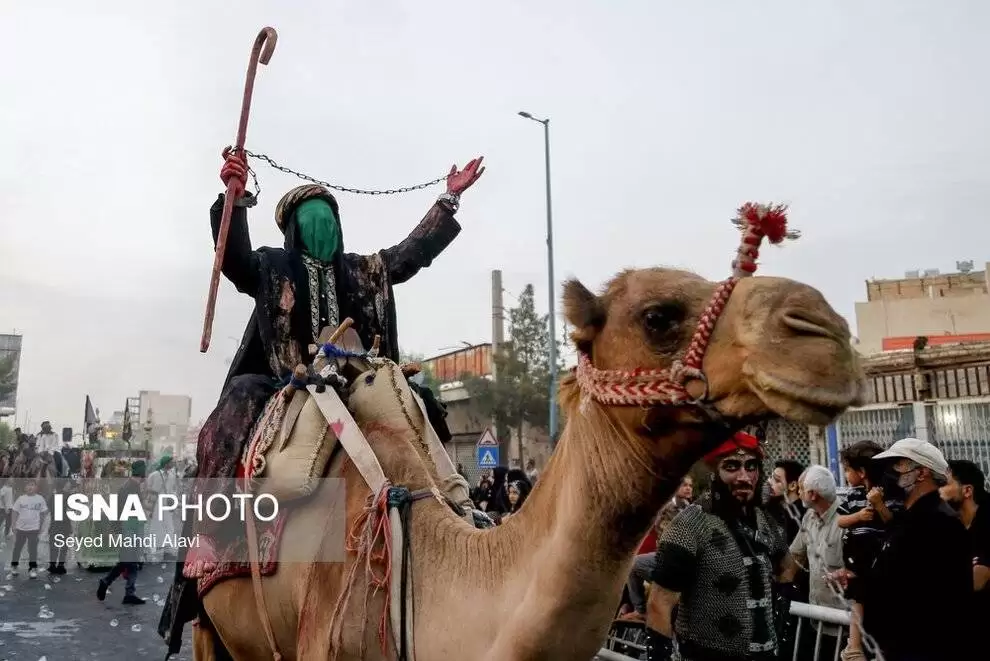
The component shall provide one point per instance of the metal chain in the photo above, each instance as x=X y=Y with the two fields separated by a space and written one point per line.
x=869 y=643
x=344 y=189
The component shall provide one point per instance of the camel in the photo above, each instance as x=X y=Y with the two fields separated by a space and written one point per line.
x=670 y=364
x=27 y=464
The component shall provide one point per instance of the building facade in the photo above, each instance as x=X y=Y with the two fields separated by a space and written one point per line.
x=948 y=308
x=162 y=420
x=10 y=349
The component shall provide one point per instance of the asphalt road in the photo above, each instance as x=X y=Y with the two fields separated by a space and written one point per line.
x=58 y=618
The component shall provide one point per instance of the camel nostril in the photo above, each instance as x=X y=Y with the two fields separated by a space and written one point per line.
x=803 y=323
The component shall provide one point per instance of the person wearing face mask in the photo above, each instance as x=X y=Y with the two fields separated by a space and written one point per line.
x=916 y=596
x=712 y=585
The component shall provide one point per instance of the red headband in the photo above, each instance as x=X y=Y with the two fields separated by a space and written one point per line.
x=738 y=441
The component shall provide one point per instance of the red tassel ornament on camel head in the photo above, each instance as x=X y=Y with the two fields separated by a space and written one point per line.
x=758 y=221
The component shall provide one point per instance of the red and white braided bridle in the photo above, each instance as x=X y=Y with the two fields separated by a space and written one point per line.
x=668 y=386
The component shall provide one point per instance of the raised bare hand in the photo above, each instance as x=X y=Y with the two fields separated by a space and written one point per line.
x=234 y=167
x=458 y=182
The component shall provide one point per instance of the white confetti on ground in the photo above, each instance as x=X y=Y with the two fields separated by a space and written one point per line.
x=51 y=629
x=136 y=628
x=114 y=623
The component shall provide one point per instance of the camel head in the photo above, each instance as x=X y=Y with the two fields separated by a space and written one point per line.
x=744 y=349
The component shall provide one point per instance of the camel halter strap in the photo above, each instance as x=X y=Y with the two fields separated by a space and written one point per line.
x=668 y=386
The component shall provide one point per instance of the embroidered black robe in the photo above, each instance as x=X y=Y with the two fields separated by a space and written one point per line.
x=286 y=319
x=288 y=316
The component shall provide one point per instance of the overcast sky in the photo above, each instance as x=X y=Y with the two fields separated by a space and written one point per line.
x=868 y=118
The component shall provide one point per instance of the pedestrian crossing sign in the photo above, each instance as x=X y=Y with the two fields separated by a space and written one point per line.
x=487 y=457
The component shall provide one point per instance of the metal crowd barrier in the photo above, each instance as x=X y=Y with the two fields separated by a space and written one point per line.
x=821 y=616
x=627 y=640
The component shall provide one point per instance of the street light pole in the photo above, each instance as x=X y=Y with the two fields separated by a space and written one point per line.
x=552 y=287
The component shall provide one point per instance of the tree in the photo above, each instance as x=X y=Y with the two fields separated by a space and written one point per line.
x=8 y=375
x=520 y=392
x=6 y=436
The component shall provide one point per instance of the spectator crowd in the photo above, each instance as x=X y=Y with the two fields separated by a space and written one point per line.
x=904 y=551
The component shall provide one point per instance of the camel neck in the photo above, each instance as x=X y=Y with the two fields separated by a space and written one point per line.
x=603 y=486
x=565 y=555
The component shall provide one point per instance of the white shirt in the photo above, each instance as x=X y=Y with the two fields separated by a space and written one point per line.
x=29 y=509
x=6 y=497
x=49 y=442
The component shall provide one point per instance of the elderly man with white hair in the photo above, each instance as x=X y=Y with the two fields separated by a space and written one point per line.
x=817 y=548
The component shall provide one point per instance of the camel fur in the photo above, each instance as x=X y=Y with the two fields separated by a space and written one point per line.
x=545 y=584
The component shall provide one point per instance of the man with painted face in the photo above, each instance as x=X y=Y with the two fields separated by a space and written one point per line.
x=715 y=568
x=308 y=284
x=915 y=597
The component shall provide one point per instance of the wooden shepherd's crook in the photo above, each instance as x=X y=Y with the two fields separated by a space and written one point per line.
x=264 y=46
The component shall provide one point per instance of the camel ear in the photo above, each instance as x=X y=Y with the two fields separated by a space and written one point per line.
x=584 y=311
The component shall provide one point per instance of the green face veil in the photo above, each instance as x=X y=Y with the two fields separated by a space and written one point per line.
x=318 y=229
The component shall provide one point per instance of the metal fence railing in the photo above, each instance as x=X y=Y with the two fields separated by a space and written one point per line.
x=819 y=617
x=627 y=640
x=960 y=428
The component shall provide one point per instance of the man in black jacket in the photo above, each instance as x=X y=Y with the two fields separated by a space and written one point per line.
x=915 y=598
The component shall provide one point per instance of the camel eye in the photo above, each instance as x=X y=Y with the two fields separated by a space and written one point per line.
x=660 y=321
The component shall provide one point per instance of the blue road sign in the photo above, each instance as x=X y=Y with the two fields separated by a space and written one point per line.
x=487 y=456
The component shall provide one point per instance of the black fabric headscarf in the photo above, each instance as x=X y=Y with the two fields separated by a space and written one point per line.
x=513 y=476
x=497 y=503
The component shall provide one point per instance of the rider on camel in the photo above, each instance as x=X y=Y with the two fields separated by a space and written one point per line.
x=48 y=445
x=28 y=463
x=308 y=284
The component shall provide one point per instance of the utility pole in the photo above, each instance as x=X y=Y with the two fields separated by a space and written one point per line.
x=147 y=431
x=498 y=318
x=550 y=280
x=498 y=340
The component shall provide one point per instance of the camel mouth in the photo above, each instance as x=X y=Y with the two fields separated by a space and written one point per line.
x=802 y=402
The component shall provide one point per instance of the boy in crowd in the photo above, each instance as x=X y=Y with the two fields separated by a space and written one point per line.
x=129 y=560
x=29 y=514
x=865 y=515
